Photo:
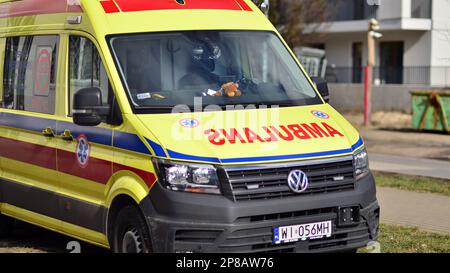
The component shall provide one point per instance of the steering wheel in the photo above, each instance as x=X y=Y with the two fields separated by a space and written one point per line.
x=246 y=84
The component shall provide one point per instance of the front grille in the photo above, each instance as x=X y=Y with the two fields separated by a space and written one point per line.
x=270 y=182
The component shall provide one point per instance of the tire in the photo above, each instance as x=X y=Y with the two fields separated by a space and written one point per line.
x=6 y=226
x=131 y=234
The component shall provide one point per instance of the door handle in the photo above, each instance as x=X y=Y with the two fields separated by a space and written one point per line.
x=48 y=132
x=66 y=135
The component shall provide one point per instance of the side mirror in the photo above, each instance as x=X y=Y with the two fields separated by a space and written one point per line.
x=87 y=107
x=322 y=87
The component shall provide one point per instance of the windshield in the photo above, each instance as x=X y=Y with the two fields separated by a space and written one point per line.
x=163 y=70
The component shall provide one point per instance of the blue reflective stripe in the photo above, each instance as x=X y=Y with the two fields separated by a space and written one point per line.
x=26 y=122
x=94 y=134
x=157 y=149
x=176 y=155
x=286 y=157
x=358 y=144
x=129 y=142
x=133 y=143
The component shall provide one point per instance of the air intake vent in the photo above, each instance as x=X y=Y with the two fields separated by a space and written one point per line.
x=197 y=236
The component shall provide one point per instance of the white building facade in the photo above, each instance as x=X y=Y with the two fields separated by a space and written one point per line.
x=414 y=49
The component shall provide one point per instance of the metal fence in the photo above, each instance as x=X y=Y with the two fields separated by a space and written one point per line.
x=414 y=75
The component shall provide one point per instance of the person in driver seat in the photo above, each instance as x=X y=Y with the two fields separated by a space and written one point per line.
x=203 y=63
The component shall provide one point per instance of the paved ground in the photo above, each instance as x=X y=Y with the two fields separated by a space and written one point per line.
x=407 y=143
x=32 y=239
x=410 y=166
x=392 y=134
x=429 y=212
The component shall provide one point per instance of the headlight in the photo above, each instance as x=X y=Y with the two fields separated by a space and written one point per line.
x=361 y=163
x=188 y=177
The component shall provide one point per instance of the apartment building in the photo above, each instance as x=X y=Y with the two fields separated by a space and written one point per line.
x=414 y=49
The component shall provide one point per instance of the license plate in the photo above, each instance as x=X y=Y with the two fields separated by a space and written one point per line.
x=289 y=234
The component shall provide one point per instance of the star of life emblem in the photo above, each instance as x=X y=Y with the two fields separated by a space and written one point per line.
x=83 y=150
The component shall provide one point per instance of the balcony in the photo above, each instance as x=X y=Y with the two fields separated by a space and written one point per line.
x=350 y=16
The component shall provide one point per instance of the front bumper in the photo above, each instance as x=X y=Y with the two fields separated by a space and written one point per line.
x=185 y=222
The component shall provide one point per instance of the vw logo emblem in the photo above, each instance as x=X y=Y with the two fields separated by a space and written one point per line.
x=298 y=181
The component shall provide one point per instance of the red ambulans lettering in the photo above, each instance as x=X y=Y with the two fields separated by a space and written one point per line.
x=315 y=130
x=271 y=137
x=288 y=136
x=232 y=135
x=252 y=136
x=298 y=131
x=331 y=130
x=214 y=137
x=291 y=132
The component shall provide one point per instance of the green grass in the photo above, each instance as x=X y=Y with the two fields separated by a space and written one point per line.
x=397 y=239
x=413 y=183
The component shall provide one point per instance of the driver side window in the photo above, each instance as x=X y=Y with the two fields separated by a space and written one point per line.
x=86 y=69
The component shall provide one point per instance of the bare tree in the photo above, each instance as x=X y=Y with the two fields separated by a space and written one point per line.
x=292 y=16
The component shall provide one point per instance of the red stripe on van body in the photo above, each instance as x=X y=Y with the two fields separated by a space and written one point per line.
x=148 y=177
x=244 y=5
x=109 y=6
x=30 y=153
x=97 y=170
x=143 y=5
x=36 y=7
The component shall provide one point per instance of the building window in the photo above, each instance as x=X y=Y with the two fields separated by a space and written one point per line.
x=391 y=62
x=29 y=79
x=348 y=10
x=357 y=60
x=421 y=9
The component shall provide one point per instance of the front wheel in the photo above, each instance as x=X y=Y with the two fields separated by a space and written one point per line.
x=131 y=234
x=6 y=226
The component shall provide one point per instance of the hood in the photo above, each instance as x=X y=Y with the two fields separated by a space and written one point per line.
x=250 y=136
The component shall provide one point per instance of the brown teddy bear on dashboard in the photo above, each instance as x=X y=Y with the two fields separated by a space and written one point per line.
x=230 y=90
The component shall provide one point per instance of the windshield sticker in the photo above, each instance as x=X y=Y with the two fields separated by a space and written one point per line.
x=144 y=96
x=320 y=114
x=210 y=92
x=189 y=123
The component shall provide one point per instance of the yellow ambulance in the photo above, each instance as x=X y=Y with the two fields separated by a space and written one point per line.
x=173 y=126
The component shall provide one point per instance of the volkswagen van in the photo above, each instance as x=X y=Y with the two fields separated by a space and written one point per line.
x=182 y=126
